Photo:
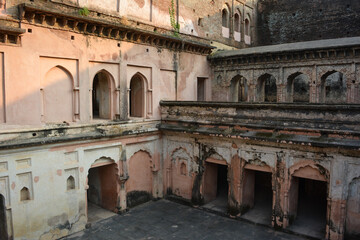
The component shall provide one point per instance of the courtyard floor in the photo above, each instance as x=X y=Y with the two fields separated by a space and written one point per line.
x=164 y=219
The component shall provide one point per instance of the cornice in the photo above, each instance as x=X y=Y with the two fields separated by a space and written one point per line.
x=50 y=18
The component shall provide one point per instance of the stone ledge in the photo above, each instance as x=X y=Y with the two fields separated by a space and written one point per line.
x=292 y=139
x=322 y=125
x=302 y=51
x=34 y=137
x=10 y=35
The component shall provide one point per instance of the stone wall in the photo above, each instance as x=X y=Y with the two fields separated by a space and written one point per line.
x=285 y=21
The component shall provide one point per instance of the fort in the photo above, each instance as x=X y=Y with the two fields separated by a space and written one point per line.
x=249 y=108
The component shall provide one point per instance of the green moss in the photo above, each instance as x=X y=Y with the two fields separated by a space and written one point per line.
x=84 y=11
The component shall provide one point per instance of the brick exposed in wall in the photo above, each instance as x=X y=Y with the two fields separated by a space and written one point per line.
x=285 y=21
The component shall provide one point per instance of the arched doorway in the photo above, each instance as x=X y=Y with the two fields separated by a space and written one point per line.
x=3 y=219
x=137 y=96
x=333 y=87
x=257 y=193
x=298 y=88
x=308 y=202
x=101 y=96
x=216 y=186
x=102 y=192
x=266 y=88
x=238 y=89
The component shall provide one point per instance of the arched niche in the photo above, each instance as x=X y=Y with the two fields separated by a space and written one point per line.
x=225 y=17
x=298 y=88
x=247 y=27
x=237 y=22
x=139 y=186
x=266 y=88
x=70 y=183
x=137 y=96
x=25 y=194
x=103 y=97
x=333 y=87
x=180 y=179
x=58 y=96
x=239 y=89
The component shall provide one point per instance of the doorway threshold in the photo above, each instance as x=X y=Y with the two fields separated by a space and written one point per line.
x=96 y=213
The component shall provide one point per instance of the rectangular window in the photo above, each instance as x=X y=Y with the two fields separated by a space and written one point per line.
x=201 y=89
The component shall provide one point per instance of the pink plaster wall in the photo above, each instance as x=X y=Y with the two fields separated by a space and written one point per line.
x=181 y=180
x=140 y=175
x=80 y=59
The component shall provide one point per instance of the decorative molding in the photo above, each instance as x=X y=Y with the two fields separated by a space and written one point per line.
x=10 y=35
x=50 y=18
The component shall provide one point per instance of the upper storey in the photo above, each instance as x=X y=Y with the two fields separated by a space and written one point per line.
x=226 y=23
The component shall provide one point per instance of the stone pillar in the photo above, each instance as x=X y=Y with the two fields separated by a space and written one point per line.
x=234 y=185
x=335 y=219
x=278 y=186
x=313 y=86
x=252 y=93
x=117 y=103
x=76 y=104
x=281 y=93
x=123 y=177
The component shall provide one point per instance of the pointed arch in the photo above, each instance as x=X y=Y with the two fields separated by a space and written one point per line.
x=238 y=89
x=298 y=88
x=57 y=90
x=103 y=97
x=103 y=184
x=138 y=95
x=225 y=15
x=139 y=186
x=70 y=183
x=333 y=87
x=180 y=152
x=25 y=194
x=266 y=88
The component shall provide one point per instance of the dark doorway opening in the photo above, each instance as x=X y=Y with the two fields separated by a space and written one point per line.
x=137 y=96
x=258 y=196
x=216 y=187
x=309 y=217
x=3 y=220
x=102 y=192
x=201 y=89
x=222 y=182
x=101 y=96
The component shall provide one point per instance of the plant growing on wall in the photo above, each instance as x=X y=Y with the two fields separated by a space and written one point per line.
x=84 y=11
x=174 y=24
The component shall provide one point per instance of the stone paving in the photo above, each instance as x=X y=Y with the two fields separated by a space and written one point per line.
x=164 y=219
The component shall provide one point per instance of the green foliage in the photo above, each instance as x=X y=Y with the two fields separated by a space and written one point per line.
x=174 y=24
x=84 y=11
